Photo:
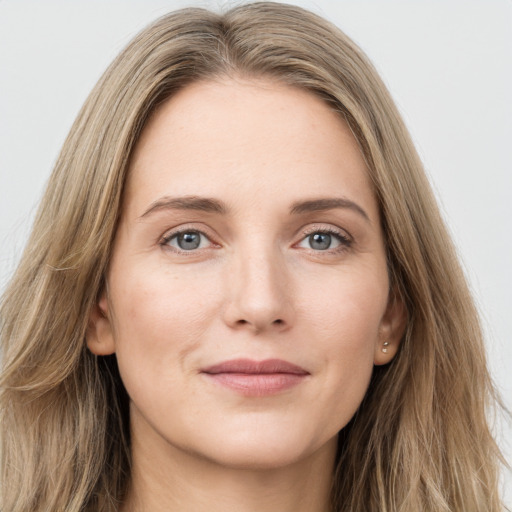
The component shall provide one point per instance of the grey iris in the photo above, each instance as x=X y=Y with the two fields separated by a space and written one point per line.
x=189 y=241
x=320 y=241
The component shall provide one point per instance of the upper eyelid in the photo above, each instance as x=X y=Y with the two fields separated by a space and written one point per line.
x=173 y=234
x=325 y=227
x=325 y=230
x=303 y=231
x=170 y=234
x=184 y=228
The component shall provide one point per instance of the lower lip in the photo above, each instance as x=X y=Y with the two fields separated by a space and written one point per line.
x=257 y=384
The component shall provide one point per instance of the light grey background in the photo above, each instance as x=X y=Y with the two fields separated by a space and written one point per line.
x=447 y=63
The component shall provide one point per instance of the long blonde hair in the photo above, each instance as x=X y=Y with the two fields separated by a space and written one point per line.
x=420 y=440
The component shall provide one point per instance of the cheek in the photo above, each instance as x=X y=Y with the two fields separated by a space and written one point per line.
x=344 y=320
x=164 y=319
x=157 y=301
x=159 y=320
x=348 y=308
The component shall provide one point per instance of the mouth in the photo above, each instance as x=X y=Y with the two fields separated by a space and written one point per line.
x=256 y=378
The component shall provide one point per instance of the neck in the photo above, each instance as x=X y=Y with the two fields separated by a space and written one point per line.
x=173 y=479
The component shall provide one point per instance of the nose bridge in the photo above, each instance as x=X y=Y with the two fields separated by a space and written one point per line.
x=259 y=288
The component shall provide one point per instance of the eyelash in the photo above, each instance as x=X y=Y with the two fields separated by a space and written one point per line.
x=344 y=239
x=173 y=234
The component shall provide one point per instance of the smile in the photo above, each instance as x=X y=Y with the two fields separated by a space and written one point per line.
x=256 y=378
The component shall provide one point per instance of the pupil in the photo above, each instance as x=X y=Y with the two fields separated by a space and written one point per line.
x=189 y=241
x=320 y=241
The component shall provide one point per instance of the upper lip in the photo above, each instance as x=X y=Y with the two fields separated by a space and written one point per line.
x=249 y=366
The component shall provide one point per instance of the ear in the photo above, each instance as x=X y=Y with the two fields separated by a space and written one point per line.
x=100 y=334
x=391 y=330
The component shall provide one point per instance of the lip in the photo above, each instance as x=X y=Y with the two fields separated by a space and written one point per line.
x=256 y=378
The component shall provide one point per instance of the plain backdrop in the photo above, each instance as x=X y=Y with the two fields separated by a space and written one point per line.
x=448 y=64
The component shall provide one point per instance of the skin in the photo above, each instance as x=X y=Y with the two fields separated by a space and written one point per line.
x=257 y=287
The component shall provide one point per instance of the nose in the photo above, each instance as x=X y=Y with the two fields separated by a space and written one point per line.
x=259 y=294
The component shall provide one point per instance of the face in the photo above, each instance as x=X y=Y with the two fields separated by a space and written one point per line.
x=248 y=296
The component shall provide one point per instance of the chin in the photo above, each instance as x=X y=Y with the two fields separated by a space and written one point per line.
x=257 y=458
x=265 y=450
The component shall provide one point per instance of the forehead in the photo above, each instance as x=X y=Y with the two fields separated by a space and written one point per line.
x=217 y=137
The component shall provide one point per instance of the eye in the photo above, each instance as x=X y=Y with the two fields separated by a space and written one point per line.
x=324 y=240
x=189 y=240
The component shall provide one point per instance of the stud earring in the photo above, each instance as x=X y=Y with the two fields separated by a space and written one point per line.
x=385 y=347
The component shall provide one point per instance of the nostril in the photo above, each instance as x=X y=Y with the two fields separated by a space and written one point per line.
x=278 y=321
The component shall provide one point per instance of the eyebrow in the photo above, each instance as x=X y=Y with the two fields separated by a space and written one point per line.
x=210 y=205
x=328 y=203
x=203 y=204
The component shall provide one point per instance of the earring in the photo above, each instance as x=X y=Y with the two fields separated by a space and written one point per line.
x=385 y=347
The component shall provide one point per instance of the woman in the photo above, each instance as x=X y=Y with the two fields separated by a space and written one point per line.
x=239 y=293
